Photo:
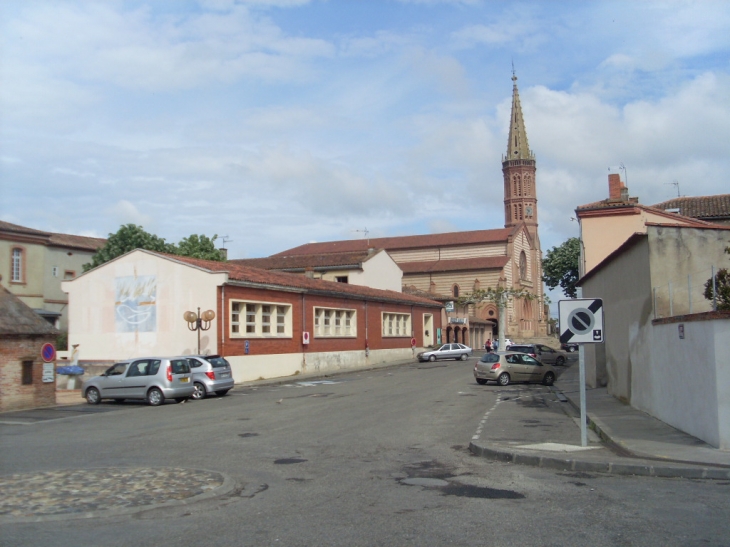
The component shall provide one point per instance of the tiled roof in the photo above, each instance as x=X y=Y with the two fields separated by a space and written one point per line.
x=610 y=204
x=463 y=264
x=301 y=262
x=274 y=279
x=702 y=207
x=17 y=318
x=402 y=242
x=85 y=243
x=57 y=240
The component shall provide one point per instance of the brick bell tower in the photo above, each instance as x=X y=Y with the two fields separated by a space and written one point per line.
x=518 y=166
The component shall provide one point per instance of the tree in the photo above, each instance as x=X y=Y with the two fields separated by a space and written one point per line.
x=500 y=297
x=722 y=288
x=200 y=246
x=131 y=236
x=561 y=266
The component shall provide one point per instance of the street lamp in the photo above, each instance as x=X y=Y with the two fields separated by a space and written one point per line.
x=198 y=321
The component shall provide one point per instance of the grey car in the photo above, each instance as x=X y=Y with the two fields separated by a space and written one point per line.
x=152 y=379
x=447 y=351
x=505 y=367
x=546 y=354
x=211 y=374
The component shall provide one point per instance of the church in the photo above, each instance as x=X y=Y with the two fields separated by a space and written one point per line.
x=444 y=266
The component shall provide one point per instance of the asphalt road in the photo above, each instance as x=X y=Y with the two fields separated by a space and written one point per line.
x=364 y=459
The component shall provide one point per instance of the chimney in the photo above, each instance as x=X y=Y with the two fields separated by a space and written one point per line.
x=615 y=187
x=224 y=252
x=309 y=272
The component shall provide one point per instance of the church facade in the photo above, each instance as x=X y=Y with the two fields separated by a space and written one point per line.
x=445 y=266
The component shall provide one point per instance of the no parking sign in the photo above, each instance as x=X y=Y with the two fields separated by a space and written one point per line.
x=581 y=320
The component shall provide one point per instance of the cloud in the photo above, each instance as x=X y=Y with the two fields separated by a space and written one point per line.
x=127 y=213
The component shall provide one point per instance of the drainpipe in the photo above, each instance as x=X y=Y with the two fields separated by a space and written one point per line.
x=223 y=320
x=304 y=328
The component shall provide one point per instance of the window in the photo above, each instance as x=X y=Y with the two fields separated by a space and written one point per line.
x=456 y=291
x=54 y=271
x=16 y=273
x=396 y=324
x=27 y=373
x=334 y=322
x=523 y=265
x=341 y=279
x=262 y=319
x=68 y=274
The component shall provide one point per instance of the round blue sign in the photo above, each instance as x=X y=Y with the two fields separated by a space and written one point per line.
x=48 y=353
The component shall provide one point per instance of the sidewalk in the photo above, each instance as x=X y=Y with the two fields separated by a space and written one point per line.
x=633 y=443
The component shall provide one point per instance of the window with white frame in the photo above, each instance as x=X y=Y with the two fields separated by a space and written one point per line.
x=334 y=322
x=16 y=273
x=260 y=319
x=396 y=324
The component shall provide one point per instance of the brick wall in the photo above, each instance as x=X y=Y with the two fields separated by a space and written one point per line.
x=368 y=318
x=13 y=394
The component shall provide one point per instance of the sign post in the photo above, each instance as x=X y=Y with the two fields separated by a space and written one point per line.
x=581 y=322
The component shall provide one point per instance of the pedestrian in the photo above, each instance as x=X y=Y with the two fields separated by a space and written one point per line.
x=488 y=345
x=496 y=345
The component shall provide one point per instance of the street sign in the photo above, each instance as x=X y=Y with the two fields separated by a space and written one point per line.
x=581 y=320
x=305 y=338
x=48 y=370
x=48 y=353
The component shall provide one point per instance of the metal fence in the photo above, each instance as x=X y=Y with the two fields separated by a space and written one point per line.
x=683 y=296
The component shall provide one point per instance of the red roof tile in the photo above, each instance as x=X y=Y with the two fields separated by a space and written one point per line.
x=401 y=242
x=702 y=207
x=482 y=263
x=301 y=262
x=85 y=243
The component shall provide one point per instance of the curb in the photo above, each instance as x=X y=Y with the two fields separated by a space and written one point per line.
x=610 y=468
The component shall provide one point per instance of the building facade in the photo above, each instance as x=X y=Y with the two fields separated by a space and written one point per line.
x=33 y=264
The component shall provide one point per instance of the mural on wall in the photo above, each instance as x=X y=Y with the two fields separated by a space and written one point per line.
x=135 y=305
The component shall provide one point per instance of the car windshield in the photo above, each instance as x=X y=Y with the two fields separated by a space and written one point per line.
x=490 y=358
x=180 y=366
x=523 y=349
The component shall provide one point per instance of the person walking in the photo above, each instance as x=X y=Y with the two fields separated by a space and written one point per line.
x=488 y=345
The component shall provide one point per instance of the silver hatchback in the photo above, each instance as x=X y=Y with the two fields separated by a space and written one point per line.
x=152 y=379
x=211 y=374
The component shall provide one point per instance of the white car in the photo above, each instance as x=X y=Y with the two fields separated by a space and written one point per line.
x=507 y=344
x=447 y=351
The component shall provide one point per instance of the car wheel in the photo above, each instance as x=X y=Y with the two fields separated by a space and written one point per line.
x=463 y=357
x=560 y=361
x=432 y=358
x=199 y=391
x=548 y=379
x=221 y=393
x=155 y=397
x=571 y=349
x=93 y=397
x=481 y=381
x=503 y=379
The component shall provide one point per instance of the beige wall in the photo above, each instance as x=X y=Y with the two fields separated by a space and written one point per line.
x=31 y=290
x=601 y=235
x=379 y=272
x=96 y=318
x=449 y=253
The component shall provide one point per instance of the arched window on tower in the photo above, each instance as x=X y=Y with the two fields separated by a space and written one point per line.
x=519 y=185
x=455 y=291
x=515 y=178
x=514 y=214
x=520 y=210
x=528 y=183
x=523 y=265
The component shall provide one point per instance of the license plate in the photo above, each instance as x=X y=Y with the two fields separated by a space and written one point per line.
x=184 y=380
x=225 y=374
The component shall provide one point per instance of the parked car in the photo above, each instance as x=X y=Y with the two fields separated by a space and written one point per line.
x=153 y=379
x=211 y=374
x=505 y=367
x=569 y=347
x=546 y=354
x=447 y=351
x=507 y=343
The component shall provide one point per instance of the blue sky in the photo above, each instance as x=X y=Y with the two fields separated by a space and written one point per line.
x=280 y=122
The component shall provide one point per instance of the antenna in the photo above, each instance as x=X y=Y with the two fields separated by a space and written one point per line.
x=366 y=232
x=674 y=183
x=224 y=240
x=626 y=175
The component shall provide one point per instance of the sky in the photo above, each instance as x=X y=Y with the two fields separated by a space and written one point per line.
x=276 y=123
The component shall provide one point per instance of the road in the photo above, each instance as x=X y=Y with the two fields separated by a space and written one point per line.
x=364 y=459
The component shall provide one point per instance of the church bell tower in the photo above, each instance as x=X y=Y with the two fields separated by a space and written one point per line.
x=518 y=167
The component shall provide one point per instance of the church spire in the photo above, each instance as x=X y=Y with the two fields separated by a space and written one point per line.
x=517 y=146
x=518 y=167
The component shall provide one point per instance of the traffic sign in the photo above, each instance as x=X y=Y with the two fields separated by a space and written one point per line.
x=581 y=320
x=48 y=353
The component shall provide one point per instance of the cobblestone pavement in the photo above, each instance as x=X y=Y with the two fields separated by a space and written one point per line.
x=55 y=495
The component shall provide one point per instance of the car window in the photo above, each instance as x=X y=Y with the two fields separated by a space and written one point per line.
x=514 y=359
x=461 y=346
x=117 y=369
x=527 y=360
x=138 y=368
x=194 y=363
x=154 y=367
x=490 y=358
x=218 y=362
x=546 y=349
x=445 y=347
x=180 y=366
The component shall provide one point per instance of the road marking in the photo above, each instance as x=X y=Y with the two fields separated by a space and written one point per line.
x=483 y=421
